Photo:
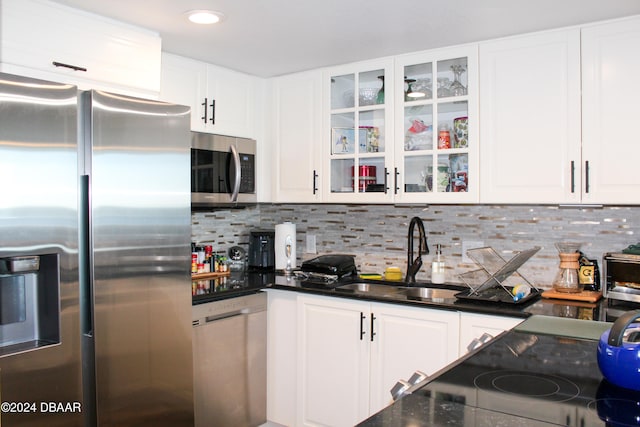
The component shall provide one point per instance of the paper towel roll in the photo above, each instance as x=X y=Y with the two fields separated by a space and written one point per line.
x=285 y=238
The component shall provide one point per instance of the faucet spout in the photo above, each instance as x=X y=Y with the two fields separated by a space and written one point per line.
x=413 y=265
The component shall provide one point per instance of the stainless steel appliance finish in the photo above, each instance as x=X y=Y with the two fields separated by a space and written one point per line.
x=39 y=217
x=621 y=277
x=136 y=161
x=230 y=346
x=223 y=170
x=100 y=323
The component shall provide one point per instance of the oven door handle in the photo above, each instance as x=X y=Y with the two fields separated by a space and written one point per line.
x=238 y=177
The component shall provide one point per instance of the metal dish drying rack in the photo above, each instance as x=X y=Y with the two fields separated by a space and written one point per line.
x=493 y=281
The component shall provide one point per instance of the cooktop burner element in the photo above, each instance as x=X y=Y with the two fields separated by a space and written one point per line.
x=521 y=384
x=537 y=378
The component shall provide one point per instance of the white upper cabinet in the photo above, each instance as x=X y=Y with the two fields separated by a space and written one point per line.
x=358 y=137
x=46 y=40
x=557 y=112
x=183 y=80
x=610 y=93
x=530 y=119
x=221 y=100
x=402 y=129
x=230 y=96
x=436 y=122
x=297 y=137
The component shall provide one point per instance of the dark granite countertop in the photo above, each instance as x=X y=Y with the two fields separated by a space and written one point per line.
x=245 y=283
x=541 y=373
x=538 y=306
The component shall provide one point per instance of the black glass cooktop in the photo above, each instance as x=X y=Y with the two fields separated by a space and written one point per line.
x=535 y=378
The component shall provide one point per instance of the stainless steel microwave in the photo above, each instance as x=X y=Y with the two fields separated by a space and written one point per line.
x=223 y=170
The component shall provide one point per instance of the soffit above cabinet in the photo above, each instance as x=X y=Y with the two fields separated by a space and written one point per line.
x=95 y=52
x=295 y=36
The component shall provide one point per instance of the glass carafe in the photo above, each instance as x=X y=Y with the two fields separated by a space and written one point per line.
x=567 y=277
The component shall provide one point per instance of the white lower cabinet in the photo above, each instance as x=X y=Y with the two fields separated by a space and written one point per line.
x=282 y=356
x=351 y=353
x=408 y=339
x=333 y=361
x=474 y=325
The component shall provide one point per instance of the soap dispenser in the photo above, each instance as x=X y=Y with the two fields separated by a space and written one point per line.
x=437 y=267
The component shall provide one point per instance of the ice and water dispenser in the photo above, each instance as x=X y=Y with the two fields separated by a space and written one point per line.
x=29 y=303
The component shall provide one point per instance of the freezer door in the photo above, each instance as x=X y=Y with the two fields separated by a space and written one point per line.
x=138 y=163
x=39 y=330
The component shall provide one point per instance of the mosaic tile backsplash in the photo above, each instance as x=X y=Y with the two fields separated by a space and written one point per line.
x=377 y=234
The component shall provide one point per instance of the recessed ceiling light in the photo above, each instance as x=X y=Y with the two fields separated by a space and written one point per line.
x=205 y=16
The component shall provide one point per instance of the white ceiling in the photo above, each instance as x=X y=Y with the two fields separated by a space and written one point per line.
x=273 y=37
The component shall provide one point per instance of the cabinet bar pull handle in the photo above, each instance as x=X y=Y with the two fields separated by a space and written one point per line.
x=73 y=67
x=386 y=176
x=204 y=118
x=315 y=177
x=372 y=331
x=573 y=180
x=586 y=176
x=213 y=112
x=395 y=181
x=362 y=332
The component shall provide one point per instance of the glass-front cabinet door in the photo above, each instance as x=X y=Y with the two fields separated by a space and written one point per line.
x=359 y=145
x=436 y=150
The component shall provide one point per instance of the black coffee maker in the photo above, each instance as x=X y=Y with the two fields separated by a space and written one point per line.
x=262 y=255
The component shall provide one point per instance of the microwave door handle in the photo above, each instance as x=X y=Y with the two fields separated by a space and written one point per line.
x=236 y=184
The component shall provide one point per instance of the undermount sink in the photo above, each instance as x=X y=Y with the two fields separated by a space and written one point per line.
x=373 y=288
x=399 y=291
x=430 y=293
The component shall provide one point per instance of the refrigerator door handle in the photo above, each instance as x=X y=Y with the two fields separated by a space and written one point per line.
x=85 y=262
x=85 y=279
x=236 y=184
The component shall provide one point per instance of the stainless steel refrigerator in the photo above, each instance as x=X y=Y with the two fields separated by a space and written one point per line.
x=95 y=299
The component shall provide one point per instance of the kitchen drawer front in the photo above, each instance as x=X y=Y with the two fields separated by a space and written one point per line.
x=37 y=33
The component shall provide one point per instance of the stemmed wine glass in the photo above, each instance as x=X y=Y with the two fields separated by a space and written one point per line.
x=457 y=88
